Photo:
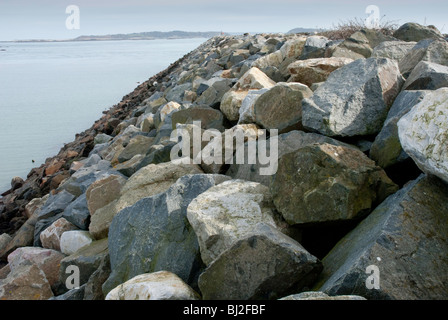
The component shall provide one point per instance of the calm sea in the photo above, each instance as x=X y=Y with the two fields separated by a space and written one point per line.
x=51 y=91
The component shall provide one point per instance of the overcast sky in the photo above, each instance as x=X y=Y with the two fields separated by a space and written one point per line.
x=46 y=19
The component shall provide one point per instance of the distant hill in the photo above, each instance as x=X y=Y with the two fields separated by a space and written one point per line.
x=304 y=30
x=150 y=36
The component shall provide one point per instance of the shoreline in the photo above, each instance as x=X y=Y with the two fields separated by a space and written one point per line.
x=156 y=35
x=35 y=185
x=96 y=40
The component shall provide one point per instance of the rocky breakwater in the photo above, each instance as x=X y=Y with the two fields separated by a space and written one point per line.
x=354 y=204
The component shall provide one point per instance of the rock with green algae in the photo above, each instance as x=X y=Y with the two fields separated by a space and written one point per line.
x=401 y=248
x=327 y=183
x=281 y=106
x=286 y=142
x=423 y=133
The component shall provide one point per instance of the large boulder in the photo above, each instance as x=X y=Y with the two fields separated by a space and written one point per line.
x=266 y=265
x=398 y=251
x=161 y=285
x=281 y=106
x=315 y=70
x=355 y=99
x=47 y=260
x=229 y=212
x=26 y=282
x=152 y=179
x=323 y=182
x=286 y=143
x=386 y=149
x=427 y=76
x=430 y=50
x=154 y=234
x=148 y=181
x=395 y=50
x=412 y=31
x=423 y=133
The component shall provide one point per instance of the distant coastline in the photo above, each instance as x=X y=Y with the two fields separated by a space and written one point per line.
x=152 y=35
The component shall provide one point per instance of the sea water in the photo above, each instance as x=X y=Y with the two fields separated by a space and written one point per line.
x=51 y=91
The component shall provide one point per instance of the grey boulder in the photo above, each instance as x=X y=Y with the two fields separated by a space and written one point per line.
x=355 y=99
x=154 y=235
x=266 y=265
x=398 y=251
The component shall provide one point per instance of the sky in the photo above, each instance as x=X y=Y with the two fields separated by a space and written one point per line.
x=46 y=19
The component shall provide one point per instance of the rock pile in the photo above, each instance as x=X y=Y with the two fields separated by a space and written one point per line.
x=357 y=207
